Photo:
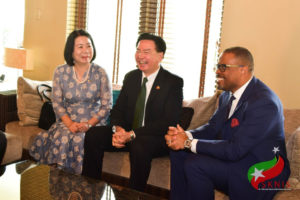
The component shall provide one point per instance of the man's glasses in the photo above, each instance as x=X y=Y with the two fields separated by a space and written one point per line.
x=222 y=67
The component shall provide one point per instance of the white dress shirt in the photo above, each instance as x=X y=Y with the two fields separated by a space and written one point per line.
x=149 y=85
x=237 y=94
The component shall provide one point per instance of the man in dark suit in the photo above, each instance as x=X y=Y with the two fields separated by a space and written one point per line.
x=139 y=130
x=241 y=150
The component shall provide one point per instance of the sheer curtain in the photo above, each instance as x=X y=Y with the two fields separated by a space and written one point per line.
x=191 y=30
x=106 y=30
x=184 y=31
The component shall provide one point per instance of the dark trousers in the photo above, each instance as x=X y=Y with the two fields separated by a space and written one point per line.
x=196 y=176
x=2 y=145
x=141 y=152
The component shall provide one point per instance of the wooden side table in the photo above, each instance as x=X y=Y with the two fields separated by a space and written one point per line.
x=8 y=107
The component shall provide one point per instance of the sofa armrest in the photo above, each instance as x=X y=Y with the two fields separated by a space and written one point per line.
x=8 y=108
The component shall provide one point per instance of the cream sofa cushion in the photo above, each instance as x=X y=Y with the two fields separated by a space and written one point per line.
x=204 y=108
x=29 y=102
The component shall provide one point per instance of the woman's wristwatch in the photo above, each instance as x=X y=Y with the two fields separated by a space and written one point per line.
x=88 y=125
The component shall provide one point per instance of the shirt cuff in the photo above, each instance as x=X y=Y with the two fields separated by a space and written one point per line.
x=194 y=145
x=190 y=136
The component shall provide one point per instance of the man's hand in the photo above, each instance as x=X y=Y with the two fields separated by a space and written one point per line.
x=120 y=137
x=119 y=129
x=175 y=138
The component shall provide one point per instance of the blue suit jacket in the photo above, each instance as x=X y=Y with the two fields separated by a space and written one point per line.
x=250 y=134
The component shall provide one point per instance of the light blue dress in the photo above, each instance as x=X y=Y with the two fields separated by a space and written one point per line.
x=80 y=101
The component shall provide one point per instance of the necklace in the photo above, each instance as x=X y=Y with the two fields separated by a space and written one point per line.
x=76 y=77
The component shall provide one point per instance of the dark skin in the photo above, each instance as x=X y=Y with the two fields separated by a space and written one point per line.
x=229 y=80
x=176 y=137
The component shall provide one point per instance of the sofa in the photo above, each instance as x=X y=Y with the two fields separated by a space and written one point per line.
x=21 y=133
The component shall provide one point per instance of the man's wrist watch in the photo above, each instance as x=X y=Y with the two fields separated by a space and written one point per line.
x=188 y=144
x=114 y=128
x=132 y=135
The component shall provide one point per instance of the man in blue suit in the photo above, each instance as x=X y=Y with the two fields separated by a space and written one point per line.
x=241 y=150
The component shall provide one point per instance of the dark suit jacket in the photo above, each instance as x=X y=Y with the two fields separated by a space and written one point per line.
x=163 y=105
x=251 y=133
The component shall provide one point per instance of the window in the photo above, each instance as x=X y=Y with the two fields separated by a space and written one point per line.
x=186 y=30
x=103 y=30
x=184 y=34
x=191 y=30
x=114 y=28
x=11 y=32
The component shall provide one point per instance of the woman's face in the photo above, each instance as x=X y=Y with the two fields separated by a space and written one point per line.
x=83 y=50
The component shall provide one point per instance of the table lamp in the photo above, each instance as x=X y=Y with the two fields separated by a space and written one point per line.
x=18 y=58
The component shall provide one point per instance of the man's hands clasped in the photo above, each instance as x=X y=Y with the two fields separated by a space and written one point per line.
x=120 y=137
x=176 y=137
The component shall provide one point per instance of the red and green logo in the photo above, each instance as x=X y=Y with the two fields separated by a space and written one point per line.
x=263 y=171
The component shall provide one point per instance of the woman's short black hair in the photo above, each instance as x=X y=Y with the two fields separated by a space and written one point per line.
x=69 y=47
x=160 y=44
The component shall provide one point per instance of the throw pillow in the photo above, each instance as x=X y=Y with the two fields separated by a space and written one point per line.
x=29 y=102
x=185 y=117
x=204 y=108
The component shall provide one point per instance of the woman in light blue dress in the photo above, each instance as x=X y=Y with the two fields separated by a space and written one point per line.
x=81 y=97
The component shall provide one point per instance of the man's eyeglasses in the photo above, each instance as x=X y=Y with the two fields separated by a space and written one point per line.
x=222 y=67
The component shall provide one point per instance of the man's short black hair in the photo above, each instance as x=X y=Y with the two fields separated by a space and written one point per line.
x=69 y=47
x=243 y=54
x=160 y=44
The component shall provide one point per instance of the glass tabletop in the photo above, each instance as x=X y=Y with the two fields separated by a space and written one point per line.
x=28 y=180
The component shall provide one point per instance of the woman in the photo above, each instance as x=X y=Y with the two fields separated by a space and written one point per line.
x=81 y=99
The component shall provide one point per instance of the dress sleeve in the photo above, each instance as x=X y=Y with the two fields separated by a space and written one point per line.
x=57 y=94
x=105 y=98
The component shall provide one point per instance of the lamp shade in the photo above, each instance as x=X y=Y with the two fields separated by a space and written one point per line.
x=18 y=58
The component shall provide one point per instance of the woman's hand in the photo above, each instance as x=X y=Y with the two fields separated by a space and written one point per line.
x=73 y=127
x=83 y=127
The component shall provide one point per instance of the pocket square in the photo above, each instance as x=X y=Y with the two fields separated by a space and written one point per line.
x=234 y=122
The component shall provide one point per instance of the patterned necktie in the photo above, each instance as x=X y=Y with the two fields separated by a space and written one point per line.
x=229 y=105
x=139 y=106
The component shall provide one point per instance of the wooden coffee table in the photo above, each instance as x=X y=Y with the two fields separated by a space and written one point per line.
x=28 y=180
